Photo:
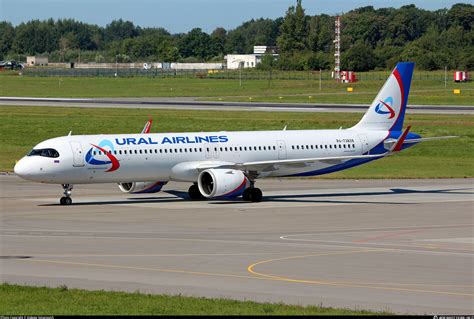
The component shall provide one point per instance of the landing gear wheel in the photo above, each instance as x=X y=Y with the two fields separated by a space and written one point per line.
x=65 y=201
x=256 y=195
x=252 y=194
x=246 y=194
x=194 y=193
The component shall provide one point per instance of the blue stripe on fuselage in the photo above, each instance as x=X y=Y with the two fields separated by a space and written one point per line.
x=378 y=149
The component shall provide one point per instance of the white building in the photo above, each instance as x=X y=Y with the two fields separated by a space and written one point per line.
x=247 y=60
x=36 y=60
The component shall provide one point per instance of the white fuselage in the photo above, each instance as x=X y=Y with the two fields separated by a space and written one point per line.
x=173 y=156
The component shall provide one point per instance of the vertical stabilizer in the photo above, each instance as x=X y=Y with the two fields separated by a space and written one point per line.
x=387 y=111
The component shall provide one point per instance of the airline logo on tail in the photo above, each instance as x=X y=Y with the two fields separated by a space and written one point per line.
x=385 y=107
x=101 y=147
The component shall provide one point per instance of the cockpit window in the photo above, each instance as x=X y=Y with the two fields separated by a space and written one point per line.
x=45 y=152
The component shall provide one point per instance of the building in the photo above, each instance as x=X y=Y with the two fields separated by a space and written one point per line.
x=36 y=60
x=234 y=61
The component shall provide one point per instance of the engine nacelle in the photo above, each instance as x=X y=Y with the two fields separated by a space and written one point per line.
x=220 y=182
x=141 y=187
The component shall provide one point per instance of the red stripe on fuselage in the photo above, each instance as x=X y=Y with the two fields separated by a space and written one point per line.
x=115 y=162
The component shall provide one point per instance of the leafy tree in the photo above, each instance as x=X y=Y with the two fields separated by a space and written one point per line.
x=7 y=35
x=360 y=57
x=120 y=30
x=293 y=30
x=197 y=44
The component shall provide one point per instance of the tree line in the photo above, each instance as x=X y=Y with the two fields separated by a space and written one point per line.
x=371 y=39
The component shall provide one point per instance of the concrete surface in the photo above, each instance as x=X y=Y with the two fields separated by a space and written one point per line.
x=398 y=245
x=189 y=103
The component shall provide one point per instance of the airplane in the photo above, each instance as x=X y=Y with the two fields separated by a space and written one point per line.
x=222 y=165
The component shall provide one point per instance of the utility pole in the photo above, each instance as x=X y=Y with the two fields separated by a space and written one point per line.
x=320 y=79
x=445 y=76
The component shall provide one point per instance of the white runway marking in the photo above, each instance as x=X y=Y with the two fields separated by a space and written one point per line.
x=468 y=240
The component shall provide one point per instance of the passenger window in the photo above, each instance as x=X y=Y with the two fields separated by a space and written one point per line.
x=316 y=146
x=353 y=146
x=200 y=149
x=297 y=147
x=221 y=149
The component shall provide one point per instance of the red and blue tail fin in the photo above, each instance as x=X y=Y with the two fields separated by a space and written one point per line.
x=387 y=111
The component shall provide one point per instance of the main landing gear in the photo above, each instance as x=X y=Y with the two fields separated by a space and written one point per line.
x=194 y=193
x=252 y=193
x=66 y=199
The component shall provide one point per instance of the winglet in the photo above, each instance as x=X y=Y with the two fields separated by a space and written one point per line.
x=147 y=127
x=398 y=146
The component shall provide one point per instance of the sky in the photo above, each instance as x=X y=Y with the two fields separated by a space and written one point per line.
x=183 y=15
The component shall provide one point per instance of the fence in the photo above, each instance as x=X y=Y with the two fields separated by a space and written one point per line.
x=245 y=74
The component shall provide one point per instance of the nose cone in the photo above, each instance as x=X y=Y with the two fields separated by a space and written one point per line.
x=21 y=168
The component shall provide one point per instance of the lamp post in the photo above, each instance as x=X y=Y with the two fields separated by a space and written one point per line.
x=240 y=69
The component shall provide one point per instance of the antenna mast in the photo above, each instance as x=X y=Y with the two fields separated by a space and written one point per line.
x=337 y=53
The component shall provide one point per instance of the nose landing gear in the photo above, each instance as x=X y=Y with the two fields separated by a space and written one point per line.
x=66 y=199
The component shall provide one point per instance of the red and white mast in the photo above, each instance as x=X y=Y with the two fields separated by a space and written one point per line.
x=337 y=52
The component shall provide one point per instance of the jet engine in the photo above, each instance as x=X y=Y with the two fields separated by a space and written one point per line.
x=141 y=187
x=220 y=182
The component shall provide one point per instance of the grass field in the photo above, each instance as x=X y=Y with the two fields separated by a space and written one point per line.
x=23 y=127
x=21 y=300
x=429 y=90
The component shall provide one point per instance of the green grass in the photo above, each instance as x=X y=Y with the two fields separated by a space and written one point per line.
x=429 y=90
x=23 y=127
x=21 y=300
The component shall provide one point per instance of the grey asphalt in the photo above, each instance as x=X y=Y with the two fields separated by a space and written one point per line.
x=397 y=245
x=192 y=104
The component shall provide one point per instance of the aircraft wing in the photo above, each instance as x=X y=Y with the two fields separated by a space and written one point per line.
x=274 y=164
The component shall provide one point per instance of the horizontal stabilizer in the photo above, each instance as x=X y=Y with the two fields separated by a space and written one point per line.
x=426 y=139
